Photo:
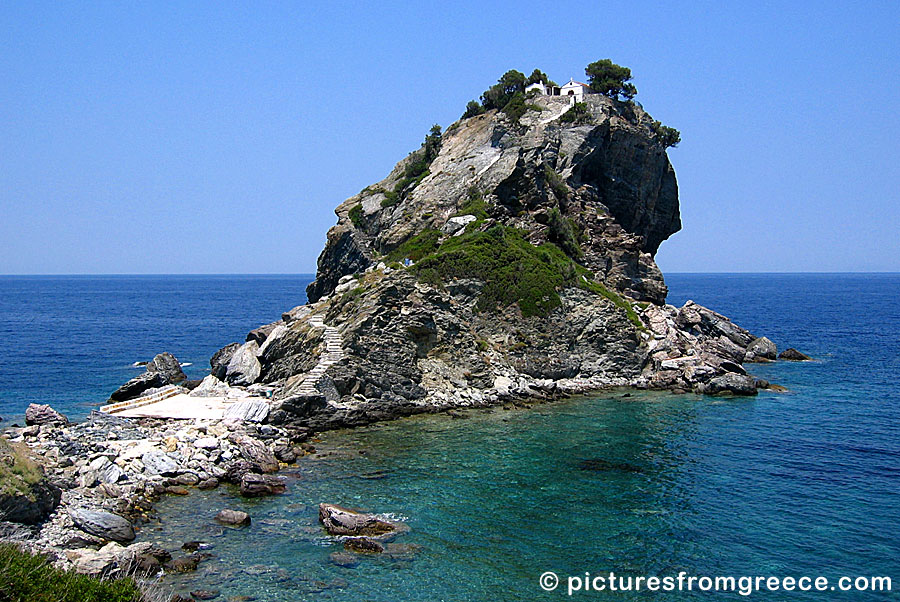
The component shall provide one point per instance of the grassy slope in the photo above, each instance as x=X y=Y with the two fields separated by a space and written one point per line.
x=28 y=578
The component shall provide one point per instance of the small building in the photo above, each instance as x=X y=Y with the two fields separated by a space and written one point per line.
x=576 y=89
x=542 y=89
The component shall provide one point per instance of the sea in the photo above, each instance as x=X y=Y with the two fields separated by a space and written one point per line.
x=641 y=484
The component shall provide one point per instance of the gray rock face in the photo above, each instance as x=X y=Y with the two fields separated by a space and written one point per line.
x=162 y=370
x=761 y=350
x=218 y=363
x=102 y=524
x=611 y=178
x=244 y=367
x=37 y=413
x=107 y=472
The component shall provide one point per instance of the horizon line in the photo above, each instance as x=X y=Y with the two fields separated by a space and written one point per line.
x=135 y=274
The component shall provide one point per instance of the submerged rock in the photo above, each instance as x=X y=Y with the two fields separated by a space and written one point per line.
x=342 y=521
x=233 y=517
x=363 y=545
x=258 y=485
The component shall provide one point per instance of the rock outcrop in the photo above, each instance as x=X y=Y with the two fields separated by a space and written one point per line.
x=512 y=258
x=162 y=370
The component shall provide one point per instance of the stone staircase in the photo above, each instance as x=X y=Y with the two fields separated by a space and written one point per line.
x=332 y=355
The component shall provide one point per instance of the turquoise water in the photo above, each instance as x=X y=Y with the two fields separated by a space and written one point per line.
x=804 y=483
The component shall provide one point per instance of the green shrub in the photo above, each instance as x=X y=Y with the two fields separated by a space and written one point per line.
x=390 y=199
x=513 y=270
x=556 y=183
x=474 y=205
x=561 y=231
x=577 y=113
x=473 y=109
x=28 y=578
x=356 y=215
x=665 y=135
x=422 y=244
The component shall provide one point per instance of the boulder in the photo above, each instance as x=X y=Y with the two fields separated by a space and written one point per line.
x=233 y=517
x=792 y=355
x=256 y=452
x=158 y=463
x=162 y=370
x=106 y=471
x=733 y=383
x=343 y=521
x=97 y=563
x=102 y=524
x=218 y=363
x=262 y=333
x=259 y=485
x=37 y=413
x=244 y=367
x=761 y=350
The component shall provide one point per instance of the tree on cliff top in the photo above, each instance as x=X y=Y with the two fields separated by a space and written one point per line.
x=607 y=78
x=498 y=96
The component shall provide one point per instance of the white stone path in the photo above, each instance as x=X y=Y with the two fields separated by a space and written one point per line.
x=332 y=355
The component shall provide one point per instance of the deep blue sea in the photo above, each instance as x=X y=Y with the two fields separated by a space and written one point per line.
x=805 y=483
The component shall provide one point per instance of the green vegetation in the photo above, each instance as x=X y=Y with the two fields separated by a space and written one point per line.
x=561 y=231
x=356 y=215
x=556 y=183
x=28 y=578
x=422 y=244
x=607 y=78
x=618 y=301
x=578 y=113
x=472 y=109
x=514 y=270
x=416 y=168
x=474 y=205
x=665 y=135
x=18 y=472
x=500 y=94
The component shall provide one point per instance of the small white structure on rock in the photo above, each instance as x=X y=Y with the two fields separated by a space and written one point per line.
x=576 y=89
x=542 y=89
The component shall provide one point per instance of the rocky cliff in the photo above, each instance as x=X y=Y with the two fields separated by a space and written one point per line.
x=511 y=257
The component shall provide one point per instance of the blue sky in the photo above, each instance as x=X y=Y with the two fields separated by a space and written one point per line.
x=218 y=138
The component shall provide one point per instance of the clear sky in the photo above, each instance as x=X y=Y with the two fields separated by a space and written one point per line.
x=218 y=138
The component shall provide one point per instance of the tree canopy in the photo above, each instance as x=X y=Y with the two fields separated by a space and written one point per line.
x=607 y=78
